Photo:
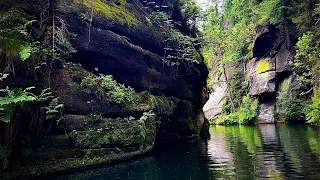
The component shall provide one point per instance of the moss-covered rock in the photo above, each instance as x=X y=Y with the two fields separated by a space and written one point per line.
x=88 y=141
x=115 y=10
x=78 y=100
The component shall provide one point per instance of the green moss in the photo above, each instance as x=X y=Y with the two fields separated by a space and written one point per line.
x=263 y=66
x=192 y=126
x=196 y=54
x=92 y=157
x=60 y=137
x=165 y=105
x=153 y=71
x=110 y=9
x=184 y=109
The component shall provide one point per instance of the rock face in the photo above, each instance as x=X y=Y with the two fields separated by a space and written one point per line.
x=84 y=141
x=266 y=72
x=214 y=105
x=266 y=115
x=127 y=44
x=270 y=67
x=263 y=76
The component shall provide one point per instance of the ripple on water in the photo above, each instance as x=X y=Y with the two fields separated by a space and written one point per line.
x=263 y=152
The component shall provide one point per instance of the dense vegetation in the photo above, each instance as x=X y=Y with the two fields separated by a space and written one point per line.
x=229 y=32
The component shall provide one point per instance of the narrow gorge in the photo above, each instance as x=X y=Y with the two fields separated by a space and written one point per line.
x=159 y=89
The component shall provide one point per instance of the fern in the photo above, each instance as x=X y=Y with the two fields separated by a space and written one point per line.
x=142 y=132
x=45 y=95
x=12 y=99
x=3 y=76
x=25 y=52
x=146 y=115
x=53 y=109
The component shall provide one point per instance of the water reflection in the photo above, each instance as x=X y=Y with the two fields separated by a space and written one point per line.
x=263 y=152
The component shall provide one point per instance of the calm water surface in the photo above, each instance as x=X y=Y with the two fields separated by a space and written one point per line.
x=263 y=152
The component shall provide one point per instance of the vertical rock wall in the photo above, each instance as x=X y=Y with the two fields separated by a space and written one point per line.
x=267 y=70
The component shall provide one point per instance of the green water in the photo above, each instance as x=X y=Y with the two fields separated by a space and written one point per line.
x=263 y=152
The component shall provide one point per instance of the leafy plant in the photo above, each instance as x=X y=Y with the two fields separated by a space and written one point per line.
x=13 y=99
x=53 y=109
x=249 y=110
x=106 y=87
x=142 y=121
x=146 y=115
x=130 y=118
x=247 y=114
x=179 y=48
x=313 y=116
x=290 y=108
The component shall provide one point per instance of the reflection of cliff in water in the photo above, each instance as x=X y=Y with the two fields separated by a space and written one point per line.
x=237 y=152
x=220 y=158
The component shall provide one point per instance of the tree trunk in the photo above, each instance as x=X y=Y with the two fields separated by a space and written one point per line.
x=228 y=89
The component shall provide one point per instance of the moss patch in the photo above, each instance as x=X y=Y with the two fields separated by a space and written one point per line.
x=263 y=66
x=184 y=109
x=92 y=157
x=117 y=12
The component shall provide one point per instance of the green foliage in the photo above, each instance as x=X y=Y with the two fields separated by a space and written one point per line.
x=119 y=92
x=249 y=110
x=305 y=15
x=130 y=118
x=106 y=87
x=228 y=34
x=190 y=11
x=13 y=99
x=14 y=42
x=17 y=98
x=290 y=108
x=84 y=16
x=146 y=115
x=53 y=109
x=115 y=11
x=25 y=52
x=3 y=76
x=307 y=63
x=313 y=116
x=237 y=86
x=271 y=10
x=230 y=119
x=179 y=48
x=142 y=120
x=247 y=113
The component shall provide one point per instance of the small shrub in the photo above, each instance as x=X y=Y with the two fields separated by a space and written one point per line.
x=313 y=116
x=290 y=108
x=105 y=87
x=248 y=111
